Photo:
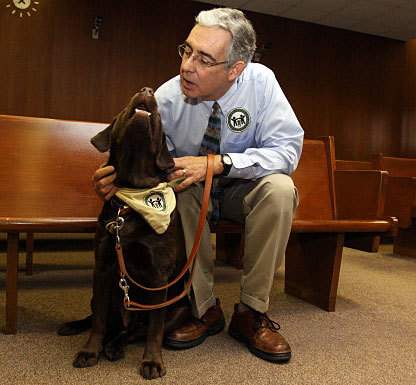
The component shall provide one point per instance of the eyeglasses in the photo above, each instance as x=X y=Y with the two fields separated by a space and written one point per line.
x=201 y=60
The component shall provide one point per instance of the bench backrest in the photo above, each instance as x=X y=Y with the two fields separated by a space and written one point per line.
x=360 y=193
x=354 y=165
x=46 y=168
x=396 y=166
x=314 y=179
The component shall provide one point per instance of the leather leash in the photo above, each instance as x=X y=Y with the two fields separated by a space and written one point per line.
x=136 y=306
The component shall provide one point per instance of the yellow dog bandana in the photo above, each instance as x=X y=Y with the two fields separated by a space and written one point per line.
x=155 y=205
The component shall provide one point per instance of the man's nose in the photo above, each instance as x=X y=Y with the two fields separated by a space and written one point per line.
x=189 y=63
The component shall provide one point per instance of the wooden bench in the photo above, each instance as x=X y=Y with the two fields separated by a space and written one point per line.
x=314 y=251
x=360 y=193
x=45 y=185
x=401 y=200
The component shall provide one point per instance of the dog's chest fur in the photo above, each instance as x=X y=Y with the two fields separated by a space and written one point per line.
x=150 y=258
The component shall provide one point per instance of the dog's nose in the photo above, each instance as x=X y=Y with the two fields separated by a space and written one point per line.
x=147 y=91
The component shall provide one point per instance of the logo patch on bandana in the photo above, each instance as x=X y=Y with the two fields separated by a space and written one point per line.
x=238 y=119
x=156 y=201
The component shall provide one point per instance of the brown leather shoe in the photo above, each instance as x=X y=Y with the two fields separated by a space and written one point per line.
x=195 y=331
x=176 y=317
x=260 y=334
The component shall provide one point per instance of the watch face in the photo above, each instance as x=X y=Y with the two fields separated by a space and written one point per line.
x=227 y=160
x=227 y=163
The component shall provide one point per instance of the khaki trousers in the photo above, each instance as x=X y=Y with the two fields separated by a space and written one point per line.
x=266 y=206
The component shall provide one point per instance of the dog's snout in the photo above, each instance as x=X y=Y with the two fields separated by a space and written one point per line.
x=147 y=91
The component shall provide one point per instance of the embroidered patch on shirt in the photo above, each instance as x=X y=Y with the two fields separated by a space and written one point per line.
x=154 y=205
x=238 y=119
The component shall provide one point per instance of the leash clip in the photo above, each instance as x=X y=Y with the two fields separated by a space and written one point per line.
x=114 y=227
x=125 y=287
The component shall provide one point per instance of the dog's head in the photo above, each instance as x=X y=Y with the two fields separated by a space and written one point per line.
x=137 y=143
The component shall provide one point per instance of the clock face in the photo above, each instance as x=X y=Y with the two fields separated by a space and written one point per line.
x=22 y=4
x=22 y=7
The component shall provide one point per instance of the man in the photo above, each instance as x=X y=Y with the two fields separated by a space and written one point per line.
x=259 y=147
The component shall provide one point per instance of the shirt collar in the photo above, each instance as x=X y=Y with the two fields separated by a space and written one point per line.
x=226 y=100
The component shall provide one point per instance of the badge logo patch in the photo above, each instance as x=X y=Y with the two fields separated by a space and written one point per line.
x=238 y=119
x=156 y=201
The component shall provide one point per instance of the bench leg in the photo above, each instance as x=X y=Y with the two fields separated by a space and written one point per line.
x=313 y=262
x=29 y=253
x=405 y=242
x=363 y=241
x=11 y=282
x=230 y=248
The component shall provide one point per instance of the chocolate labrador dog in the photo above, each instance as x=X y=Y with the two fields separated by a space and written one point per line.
x=152 y=244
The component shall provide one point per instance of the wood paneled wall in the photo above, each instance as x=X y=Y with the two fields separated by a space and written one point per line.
x=341 y=83
x=408 y=136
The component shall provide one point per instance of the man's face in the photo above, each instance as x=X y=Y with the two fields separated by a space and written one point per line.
x=212 y=82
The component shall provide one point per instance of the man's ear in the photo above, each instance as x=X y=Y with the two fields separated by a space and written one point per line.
x=235 y=71
x=102 y=141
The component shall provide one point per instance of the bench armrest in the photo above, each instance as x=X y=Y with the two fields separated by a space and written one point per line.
x=400 y=199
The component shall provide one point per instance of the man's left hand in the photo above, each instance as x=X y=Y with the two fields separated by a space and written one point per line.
x=192 y=169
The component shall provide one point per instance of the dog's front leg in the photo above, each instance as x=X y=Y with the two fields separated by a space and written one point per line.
x=90 y=352
x=152 y=365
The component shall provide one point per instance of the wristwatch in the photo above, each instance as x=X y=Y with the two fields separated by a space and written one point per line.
x=227 y=163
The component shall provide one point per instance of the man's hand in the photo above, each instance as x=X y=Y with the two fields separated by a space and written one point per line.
x=193 y=169
x=102 y=181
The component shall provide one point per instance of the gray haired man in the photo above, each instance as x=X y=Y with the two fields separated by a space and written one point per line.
x=258 y=148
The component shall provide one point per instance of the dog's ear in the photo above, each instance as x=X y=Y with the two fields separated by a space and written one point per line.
x=164 y=159
x=102 y=141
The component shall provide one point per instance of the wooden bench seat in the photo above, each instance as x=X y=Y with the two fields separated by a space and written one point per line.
x=341 y=225
x=45 y=185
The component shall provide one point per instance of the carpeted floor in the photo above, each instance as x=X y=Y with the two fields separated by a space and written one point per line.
x=369 y=340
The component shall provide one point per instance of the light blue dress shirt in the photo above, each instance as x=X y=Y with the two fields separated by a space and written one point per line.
x=259 y=129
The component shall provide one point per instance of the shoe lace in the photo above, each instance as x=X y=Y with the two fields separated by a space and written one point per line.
x=263 y=321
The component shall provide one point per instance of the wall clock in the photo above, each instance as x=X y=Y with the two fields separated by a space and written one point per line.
x=22 y=7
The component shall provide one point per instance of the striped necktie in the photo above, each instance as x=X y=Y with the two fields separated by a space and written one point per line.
x=211 y=140
x=211 y=145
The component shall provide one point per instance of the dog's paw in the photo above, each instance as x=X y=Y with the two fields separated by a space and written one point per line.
x=85 y=359
x=151 y=369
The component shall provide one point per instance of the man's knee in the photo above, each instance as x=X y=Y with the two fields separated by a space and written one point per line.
x=275 y=192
